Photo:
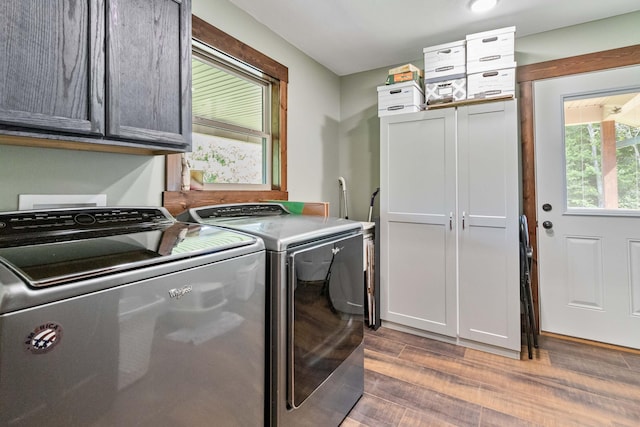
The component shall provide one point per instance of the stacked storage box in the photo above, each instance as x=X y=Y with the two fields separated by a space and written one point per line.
x=405 y=97
x=445 y=72
x=481 y=66
x=404 y=73
x=490 y=63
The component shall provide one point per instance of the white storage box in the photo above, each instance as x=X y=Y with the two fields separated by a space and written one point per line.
x=491 y=50
x=445 y=61
x=495 y=62
x=399 y=98
x=456 y=89
x=398 y=109
x=490 y=84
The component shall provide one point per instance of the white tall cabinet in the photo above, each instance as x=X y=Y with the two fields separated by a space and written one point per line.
x=449 y=206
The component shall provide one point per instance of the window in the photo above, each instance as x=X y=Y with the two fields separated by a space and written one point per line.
x=602 y=151
x=246 y=136
x=231 y=122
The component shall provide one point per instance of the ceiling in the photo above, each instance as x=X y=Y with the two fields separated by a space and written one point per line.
x=349 y=36
x=622 y=108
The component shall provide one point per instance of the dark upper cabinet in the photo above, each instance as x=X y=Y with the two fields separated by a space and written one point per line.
x=52 y=67
x=148 y=70
x=109 y=75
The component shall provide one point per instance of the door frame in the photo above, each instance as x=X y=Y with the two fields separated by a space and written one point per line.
x=525 y=77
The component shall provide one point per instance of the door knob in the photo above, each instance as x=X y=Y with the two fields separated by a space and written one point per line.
x=548 y=225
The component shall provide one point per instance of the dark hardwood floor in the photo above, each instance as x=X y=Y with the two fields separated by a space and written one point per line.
x=415 y=381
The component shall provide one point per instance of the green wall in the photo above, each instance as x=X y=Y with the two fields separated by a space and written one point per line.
x=333 y=125
x=126 y=180
x=359 y=125
x=313 y=123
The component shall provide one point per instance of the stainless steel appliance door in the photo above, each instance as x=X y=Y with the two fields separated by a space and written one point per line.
x=186 y=348
x=325 y=312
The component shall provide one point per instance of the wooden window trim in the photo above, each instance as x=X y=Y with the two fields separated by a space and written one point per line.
x=176 y=200
x=525 y=76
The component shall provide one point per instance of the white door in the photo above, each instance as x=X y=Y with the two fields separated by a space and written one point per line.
x=587 y=132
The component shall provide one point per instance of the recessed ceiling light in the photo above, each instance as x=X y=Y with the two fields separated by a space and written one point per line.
x=479 y=6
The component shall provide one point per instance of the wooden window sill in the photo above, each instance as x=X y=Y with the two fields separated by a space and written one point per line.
x=179 y=201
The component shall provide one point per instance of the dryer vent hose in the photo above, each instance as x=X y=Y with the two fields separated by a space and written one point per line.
x=343 y=184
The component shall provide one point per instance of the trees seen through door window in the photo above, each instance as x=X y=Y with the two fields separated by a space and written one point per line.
x=602 y=151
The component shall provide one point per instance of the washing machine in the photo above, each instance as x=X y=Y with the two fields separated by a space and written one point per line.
x=124 y=316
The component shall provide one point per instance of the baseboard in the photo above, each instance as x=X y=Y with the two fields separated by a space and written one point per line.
x=589 y=342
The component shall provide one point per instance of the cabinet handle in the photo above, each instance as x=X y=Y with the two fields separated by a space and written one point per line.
x=450 y=220
x=463 y=215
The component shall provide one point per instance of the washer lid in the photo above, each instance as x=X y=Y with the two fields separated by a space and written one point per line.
x=50 y=258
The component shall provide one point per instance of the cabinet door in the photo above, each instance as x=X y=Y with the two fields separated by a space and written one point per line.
x=488 y=219
x=52 y=65
x=148 y=70
x=417 y=247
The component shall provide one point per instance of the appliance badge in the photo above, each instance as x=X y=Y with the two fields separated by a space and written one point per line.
x=178 y=293
x=43 y=338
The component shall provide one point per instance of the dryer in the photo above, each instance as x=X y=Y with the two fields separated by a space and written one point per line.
x=315 y=282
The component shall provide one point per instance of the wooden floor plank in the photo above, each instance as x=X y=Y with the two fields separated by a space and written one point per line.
x=383 y=345
x=596 y=369
x=491 y=418
x=431 y=404
x=419 y=342
x=559 y=375
x=372 y=410
x=350 y=422
x=414 y=418
x=438 y=381
x=415 y=381
x=633 y=361
x=582 y=351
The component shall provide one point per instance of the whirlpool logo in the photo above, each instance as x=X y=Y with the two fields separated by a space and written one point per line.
x=43 y=338
x=178 y=293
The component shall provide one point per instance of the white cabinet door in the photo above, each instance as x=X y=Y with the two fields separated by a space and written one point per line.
x=418 y=234
x=488 y=208
x=449 y=223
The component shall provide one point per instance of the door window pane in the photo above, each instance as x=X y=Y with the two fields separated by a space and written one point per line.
x=602 y=151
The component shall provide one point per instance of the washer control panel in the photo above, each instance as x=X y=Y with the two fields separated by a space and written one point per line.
x=15 y=224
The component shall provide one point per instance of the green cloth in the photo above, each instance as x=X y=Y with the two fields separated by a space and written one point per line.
x=292 y=207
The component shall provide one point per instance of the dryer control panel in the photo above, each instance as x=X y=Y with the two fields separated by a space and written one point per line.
x=249 y=209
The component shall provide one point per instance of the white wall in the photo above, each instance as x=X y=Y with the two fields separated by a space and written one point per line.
x=359 y=127
x=313 y=122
